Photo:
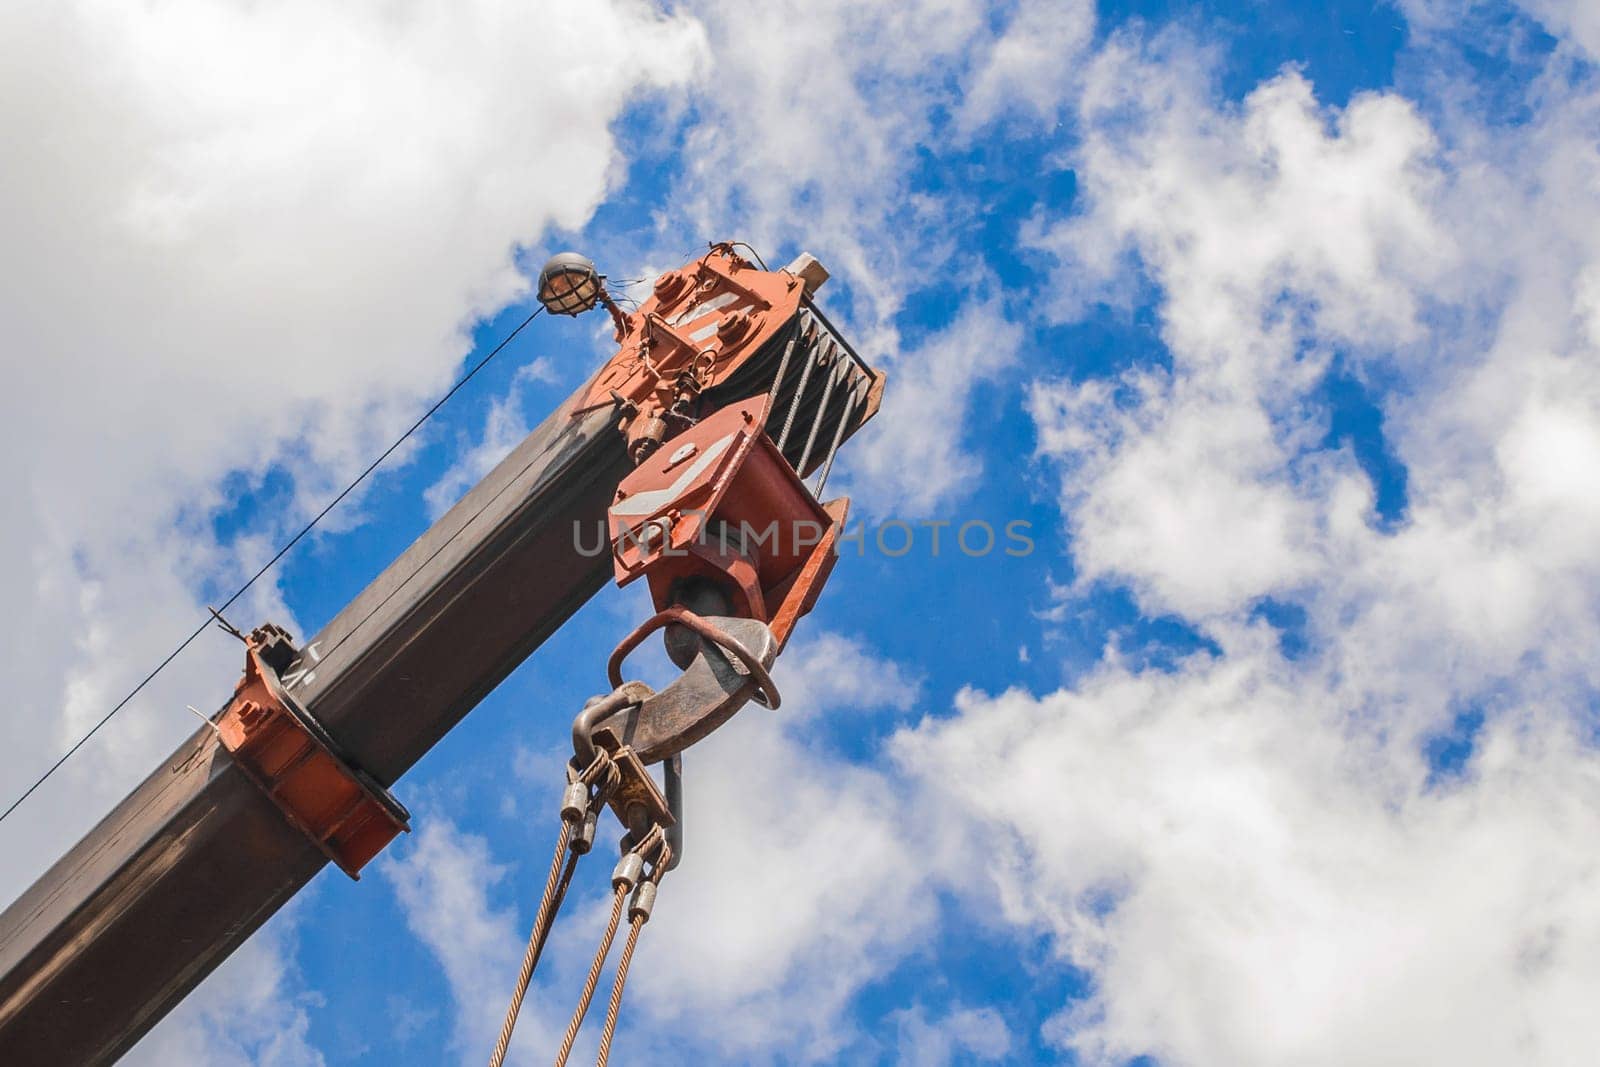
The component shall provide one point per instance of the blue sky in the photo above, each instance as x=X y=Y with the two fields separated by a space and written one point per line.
x=1279 y=327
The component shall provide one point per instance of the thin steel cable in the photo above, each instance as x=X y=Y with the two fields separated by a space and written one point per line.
x=783 y=366
x=838 y=436
x=838 y=371
x=542 y=921
x=307 y=528
x=747 y=247
x=637 y=917
x=618 y=896
x=561 y=895
x=811 y=360
x=614 y=1008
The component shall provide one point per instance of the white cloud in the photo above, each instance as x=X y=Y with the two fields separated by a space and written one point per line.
x=1277 y=232
x=443 y=885
x=1232 y=209
x=1573 y=19
x=1252 y=881
x=1250 y=856
x=915 y=455
x=1185 y=494
x=1572 y=22
x=827 y=671
x=962 y=1035
x=252 y=1011
x=503 y=429
x=1031 y=68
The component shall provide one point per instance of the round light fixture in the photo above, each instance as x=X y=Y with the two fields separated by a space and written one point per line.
x=569 y=284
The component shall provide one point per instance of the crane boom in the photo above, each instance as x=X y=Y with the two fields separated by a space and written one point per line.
x=197 y=857
x=207 y=848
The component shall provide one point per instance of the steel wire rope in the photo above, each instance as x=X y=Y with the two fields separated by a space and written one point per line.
x=555 y=886
x=614 y=1008
x=619 y=894
x=638 y=915
x=601 y=775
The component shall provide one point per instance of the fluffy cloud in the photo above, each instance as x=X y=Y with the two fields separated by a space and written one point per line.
x=1207 y=486
x=826 y=672
x=503 y=429
x=253 y=1010
x=1254 y=857
x=963 y=1035
x=1031 y=68
x=1278 y=233
x=1249 y=881
x=443 y=885
x=917 y=454
x=1571 y=22
x=1572 y=19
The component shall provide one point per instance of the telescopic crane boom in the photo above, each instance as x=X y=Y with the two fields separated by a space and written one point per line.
x=295 y=769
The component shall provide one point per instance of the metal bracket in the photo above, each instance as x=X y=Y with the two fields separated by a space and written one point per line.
x=284 y=750
x=637 y=802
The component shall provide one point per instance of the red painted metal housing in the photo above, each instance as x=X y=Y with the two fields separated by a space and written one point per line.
x=289 y=757
x=719 y=501
x=707 y=317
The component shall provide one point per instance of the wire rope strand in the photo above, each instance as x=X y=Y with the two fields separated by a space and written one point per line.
x=554 y=888
x=614 y=1008
x=618 y=896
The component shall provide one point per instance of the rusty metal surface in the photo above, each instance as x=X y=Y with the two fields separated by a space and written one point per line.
x=727 y=673
x=636 y=801
x=596 y=711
